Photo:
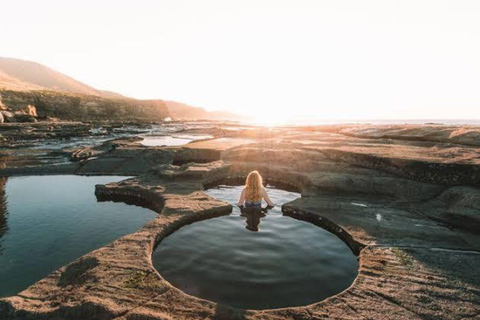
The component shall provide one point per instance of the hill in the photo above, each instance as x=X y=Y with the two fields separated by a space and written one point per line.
x=54 y=94
x=22 y=75
x=57 y=95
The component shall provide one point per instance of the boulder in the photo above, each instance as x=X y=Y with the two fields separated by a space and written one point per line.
x=8 y=116
x=1 y=118
x=2 y=106
x=19 y=113
x=23 y=116
x=52 y=119
x=31 y=110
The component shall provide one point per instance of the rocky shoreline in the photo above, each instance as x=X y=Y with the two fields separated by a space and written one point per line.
x=405 y=198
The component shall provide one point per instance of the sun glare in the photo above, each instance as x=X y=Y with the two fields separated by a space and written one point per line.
x=272 y=60
x=270 y=119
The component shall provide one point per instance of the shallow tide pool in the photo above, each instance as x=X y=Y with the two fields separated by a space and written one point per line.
x=256 y=261
x=47 y=222
x=157 y=141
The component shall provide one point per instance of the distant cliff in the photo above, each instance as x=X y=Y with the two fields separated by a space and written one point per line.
x=79 y=107
x=57 y=95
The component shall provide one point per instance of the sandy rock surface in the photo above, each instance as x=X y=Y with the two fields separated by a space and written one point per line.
x=405 y=199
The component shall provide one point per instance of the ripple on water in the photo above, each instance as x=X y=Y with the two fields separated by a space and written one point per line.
x=286 y=263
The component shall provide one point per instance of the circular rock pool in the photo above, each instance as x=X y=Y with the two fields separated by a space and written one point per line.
x=256 y=260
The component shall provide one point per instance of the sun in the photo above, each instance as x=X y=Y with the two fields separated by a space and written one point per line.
x=271 y=120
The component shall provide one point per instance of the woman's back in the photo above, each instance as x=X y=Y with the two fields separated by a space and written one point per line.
x=254 y=192
x=253 y=201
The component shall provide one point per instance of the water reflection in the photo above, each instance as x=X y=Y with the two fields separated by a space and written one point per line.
x=3 y=210
x=253 y=216
x=53 y=220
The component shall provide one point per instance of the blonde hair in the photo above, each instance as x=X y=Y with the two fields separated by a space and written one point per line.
x=254 y=187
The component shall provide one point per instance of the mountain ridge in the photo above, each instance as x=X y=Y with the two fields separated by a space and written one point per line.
x=27 y=75
x=17 y=75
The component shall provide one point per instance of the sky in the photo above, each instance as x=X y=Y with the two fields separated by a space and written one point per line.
x=274 y=60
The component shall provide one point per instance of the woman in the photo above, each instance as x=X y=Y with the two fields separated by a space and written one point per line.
x=254 y=192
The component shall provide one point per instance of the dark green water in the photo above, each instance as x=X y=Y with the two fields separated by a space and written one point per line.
x=49 y=221
x=256 y=261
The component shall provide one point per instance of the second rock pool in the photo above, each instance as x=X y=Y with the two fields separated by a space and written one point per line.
x=256 y=261
x=47 y=222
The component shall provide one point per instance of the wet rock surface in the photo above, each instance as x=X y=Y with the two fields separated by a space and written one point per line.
x=404 y=198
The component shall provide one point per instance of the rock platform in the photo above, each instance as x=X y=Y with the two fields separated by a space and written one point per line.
x=405 y=199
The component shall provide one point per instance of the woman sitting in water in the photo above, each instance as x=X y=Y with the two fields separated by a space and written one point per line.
x=254 y=192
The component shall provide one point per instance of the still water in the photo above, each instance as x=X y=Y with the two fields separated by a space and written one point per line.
x=49 y=221
x=178 y=140
x=256 y=261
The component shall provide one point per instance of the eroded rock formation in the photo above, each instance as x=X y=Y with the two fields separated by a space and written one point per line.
x=77 y=107
x=409 y=207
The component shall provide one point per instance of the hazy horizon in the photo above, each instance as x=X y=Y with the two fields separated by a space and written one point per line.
x=273 y=60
